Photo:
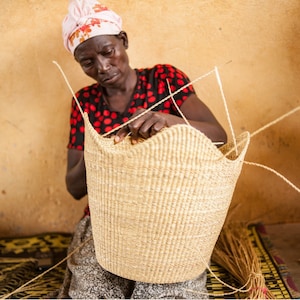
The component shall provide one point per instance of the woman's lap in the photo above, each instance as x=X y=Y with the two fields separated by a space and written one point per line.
x=85 y=278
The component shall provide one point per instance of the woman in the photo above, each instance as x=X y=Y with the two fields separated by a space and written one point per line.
x=93 y=34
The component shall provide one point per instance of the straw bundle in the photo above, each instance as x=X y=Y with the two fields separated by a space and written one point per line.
x=155 y=206
x=235 y=253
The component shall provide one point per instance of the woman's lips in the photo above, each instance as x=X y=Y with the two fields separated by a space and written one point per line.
x=108 y=79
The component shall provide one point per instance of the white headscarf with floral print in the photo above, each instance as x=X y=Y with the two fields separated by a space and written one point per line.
x=86 y=19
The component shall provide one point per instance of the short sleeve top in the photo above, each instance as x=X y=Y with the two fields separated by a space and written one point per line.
x=151 y=88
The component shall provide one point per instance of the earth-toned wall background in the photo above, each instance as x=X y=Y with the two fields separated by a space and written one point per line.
x=261 y=83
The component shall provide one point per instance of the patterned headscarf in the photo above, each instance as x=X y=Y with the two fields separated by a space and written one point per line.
x=86 y=19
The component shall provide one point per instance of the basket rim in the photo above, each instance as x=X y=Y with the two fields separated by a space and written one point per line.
x=119 y=149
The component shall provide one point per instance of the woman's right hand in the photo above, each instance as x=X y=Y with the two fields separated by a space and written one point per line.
x=143 y=127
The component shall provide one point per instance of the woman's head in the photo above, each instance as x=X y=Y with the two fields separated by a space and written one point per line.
x=104 y=58
x=87 y=19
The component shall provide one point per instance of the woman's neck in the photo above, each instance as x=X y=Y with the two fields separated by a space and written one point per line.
x=119 y=98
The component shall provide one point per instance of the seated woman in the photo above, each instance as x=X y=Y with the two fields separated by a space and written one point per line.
x=94 y=35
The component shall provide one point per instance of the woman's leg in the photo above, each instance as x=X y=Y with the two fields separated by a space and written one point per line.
x=191 y=289
x=85 y=278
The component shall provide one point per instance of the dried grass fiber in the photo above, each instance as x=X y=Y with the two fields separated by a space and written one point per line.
x=157 y=207
x=235 y=252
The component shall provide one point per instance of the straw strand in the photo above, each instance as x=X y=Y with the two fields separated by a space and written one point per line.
x=275 y=172
x=275 y=121
x=175 y=104
x=226 y=108
x=22 y=287
x=69 y=86
x=158 y=103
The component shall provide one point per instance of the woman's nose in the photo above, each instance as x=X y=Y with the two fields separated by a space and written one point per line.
x=103 y=65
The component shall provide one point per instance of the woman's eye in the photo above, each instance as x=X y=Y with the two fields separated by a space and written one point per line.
x=109 y=52
x=87 y=64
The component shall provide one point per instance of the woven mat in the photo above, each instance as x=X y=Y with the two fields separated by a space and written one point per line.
x=273 y=259
x=22 y=259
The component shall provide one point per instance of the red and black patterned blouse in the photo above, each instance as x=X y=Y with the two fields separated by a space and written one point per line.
x=151 y=87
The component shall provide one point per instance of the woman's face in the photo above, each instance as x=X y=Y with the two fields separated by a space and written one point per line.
x=104 y=59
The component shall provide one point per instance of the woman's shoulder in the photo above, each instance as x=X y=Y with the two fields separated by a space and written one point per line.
x=89 y=89
x=162 y=71
x=158 y=67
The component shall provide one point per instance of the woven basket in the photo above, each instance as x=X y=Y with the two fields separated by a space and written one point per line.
x=157 y=207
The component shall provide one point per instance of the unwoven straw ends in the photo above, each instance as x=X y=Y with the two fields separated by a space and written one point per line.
x=157 y=205
x=235 y=253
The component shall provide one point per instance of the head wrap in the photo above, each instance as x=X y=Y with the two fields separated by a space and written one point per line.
x=86 y=19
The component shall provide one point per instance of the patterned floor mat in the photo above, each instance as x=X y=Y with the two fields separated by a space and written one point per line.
x=22 y=259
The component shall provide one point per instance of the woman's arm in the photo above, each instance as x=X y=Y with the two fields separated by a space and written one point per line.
x=194 y=110
x=200 y=117
x=76 y=174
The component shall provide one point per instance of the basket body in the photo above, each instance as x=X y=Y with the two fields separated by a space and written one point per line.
x=157 y=207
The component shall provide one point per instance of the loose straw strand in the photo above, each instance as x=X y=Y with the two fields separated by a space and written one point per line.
x=158 y=103
x=235 y=253
x=226 y=108
x=275 y=172
x=234 y=289
x=69 y=86
x=144 y=112
x=175 y=104
x=275 y=121
x=216 y=71
x=163 y=100
x=47 y=271
x=182 y=115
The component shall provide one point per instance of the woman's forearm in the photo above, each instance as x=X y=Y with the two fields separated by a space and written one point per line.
x=76 y=179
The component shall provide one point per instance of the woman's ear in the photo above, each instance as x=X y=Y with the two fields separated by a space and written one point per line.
x=123 y=36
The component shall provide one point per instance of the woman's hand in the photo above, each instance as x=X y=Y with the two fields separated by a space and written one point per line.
x=195 y=111
x=143 y=127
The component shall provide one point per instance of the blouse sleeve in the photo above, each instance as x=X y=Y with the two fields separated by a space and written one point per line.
x=175 y=81
x=76 y=136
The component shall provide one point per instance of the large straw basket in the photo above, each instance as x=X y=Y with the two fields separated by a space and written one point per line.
x=157 y=207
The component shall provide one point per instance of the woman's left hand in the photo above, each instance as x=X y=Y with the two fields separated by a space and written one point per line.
x=143 y=127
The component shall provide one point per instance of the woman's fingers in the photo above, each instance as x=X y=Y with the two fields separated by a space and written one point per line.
x=144 y=127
